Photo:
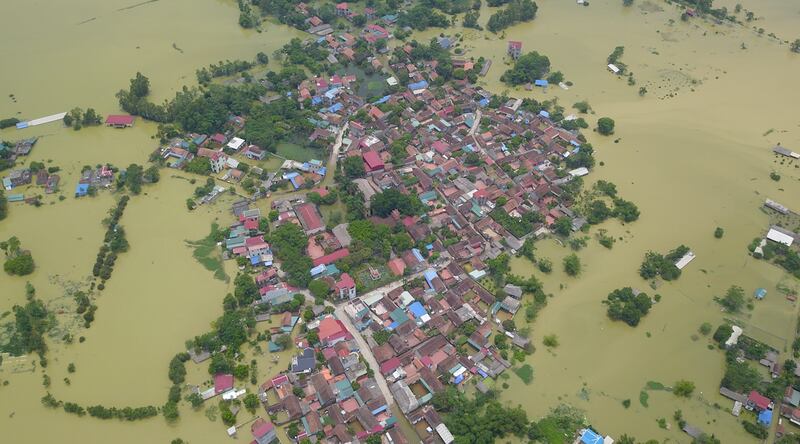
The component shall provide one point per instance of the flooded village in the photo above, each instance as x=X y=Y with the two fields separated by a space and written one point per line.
x=387 y=263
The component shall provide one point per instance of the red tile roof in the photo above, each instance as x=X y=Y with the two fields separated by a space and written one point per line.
x=119 y=119
x=331 y=258
x=223 y=382
x=373 y=160
x=390 y=365
x=330 y=328
x=397 y=266
x=260 y=428
x=760 y=401
x=345 y=282
x=309 y=217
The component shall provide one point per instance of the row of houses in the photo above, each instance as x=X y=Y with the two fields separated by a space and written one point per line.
x=328 y=391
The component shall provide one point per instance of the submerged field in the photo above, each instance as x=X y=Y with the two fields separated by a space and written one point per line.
x=694 y=154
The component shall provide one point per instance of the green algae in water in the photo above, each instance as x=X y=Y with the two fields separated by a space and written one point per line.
x=525 y=373
x=655 y=385
x=206 y=252
x=643 y=397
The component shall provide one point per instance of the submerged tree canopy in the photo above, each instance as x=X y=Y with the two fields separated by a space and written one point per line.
x=627 y=306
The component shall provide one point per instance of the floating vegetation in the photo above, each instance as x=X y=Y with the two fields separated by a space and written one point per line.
x=525 y=373
x=209 y=256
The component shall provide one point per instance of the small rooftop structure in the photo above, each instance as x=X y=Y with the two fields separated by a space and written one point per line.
x=613 y=68
x=734 y=338
x=444 y=433
x=684 y=261
x=235 y=143
x=589 y=436
x=776 y=234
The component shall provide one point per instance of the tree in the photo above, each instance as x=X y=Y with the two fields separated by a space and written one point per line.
x=563 y=226
x=219 y=364
x=471 y=20
x=795 y=46
x=289 y=242
x=353 y=167
x=626 y=306
x=733 y=301
x=319 y=288
x=550 y=341
x=245 y=289
x=383 y=203
x=598 y=212
x=90 y=117
x=177 y=369
x=683 y=388
x=151 y=174
x=516 y=11
x=605 y=126
x=140 y=86
x=381 y=336
x=283 y=341
x=722 y=333
x=527 y=68
x=719 y=232
x=572 y=265
x=3 y=205
x=625 y=210
x=250 y=402
x=195 y=400
x=170 y=411
x=22 y=264
x=499 y=266
x=741 y=377
x=199 y=165
x=241 y=372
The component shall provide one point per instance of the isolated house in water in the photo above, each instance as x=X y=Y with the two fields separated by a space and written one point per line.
x=119 y=121
x=514 y=49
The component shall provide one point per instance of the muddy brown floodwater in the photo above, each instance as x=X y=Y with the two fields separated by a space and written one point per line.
x=694 y=153
x=693 y=161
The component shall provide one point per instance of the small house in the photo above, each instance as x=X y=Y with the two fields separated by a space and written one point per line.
x=119 y=121
x=514 y=49
x=346 y=287
x=757 y=401
x=342 y=9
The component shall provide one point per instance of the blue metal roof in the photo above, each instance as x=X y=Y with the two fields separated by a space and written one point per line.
x=82 y=189
x=417 y=309
x=544 y=113
x=383 y=99
x=540 y=82
x=417 y=254
x=589 y=436
x=418 y=85
x=765 y=417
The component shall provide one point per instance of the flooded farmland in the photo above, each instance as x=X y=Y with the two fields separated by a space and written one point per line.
x=693 y=154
